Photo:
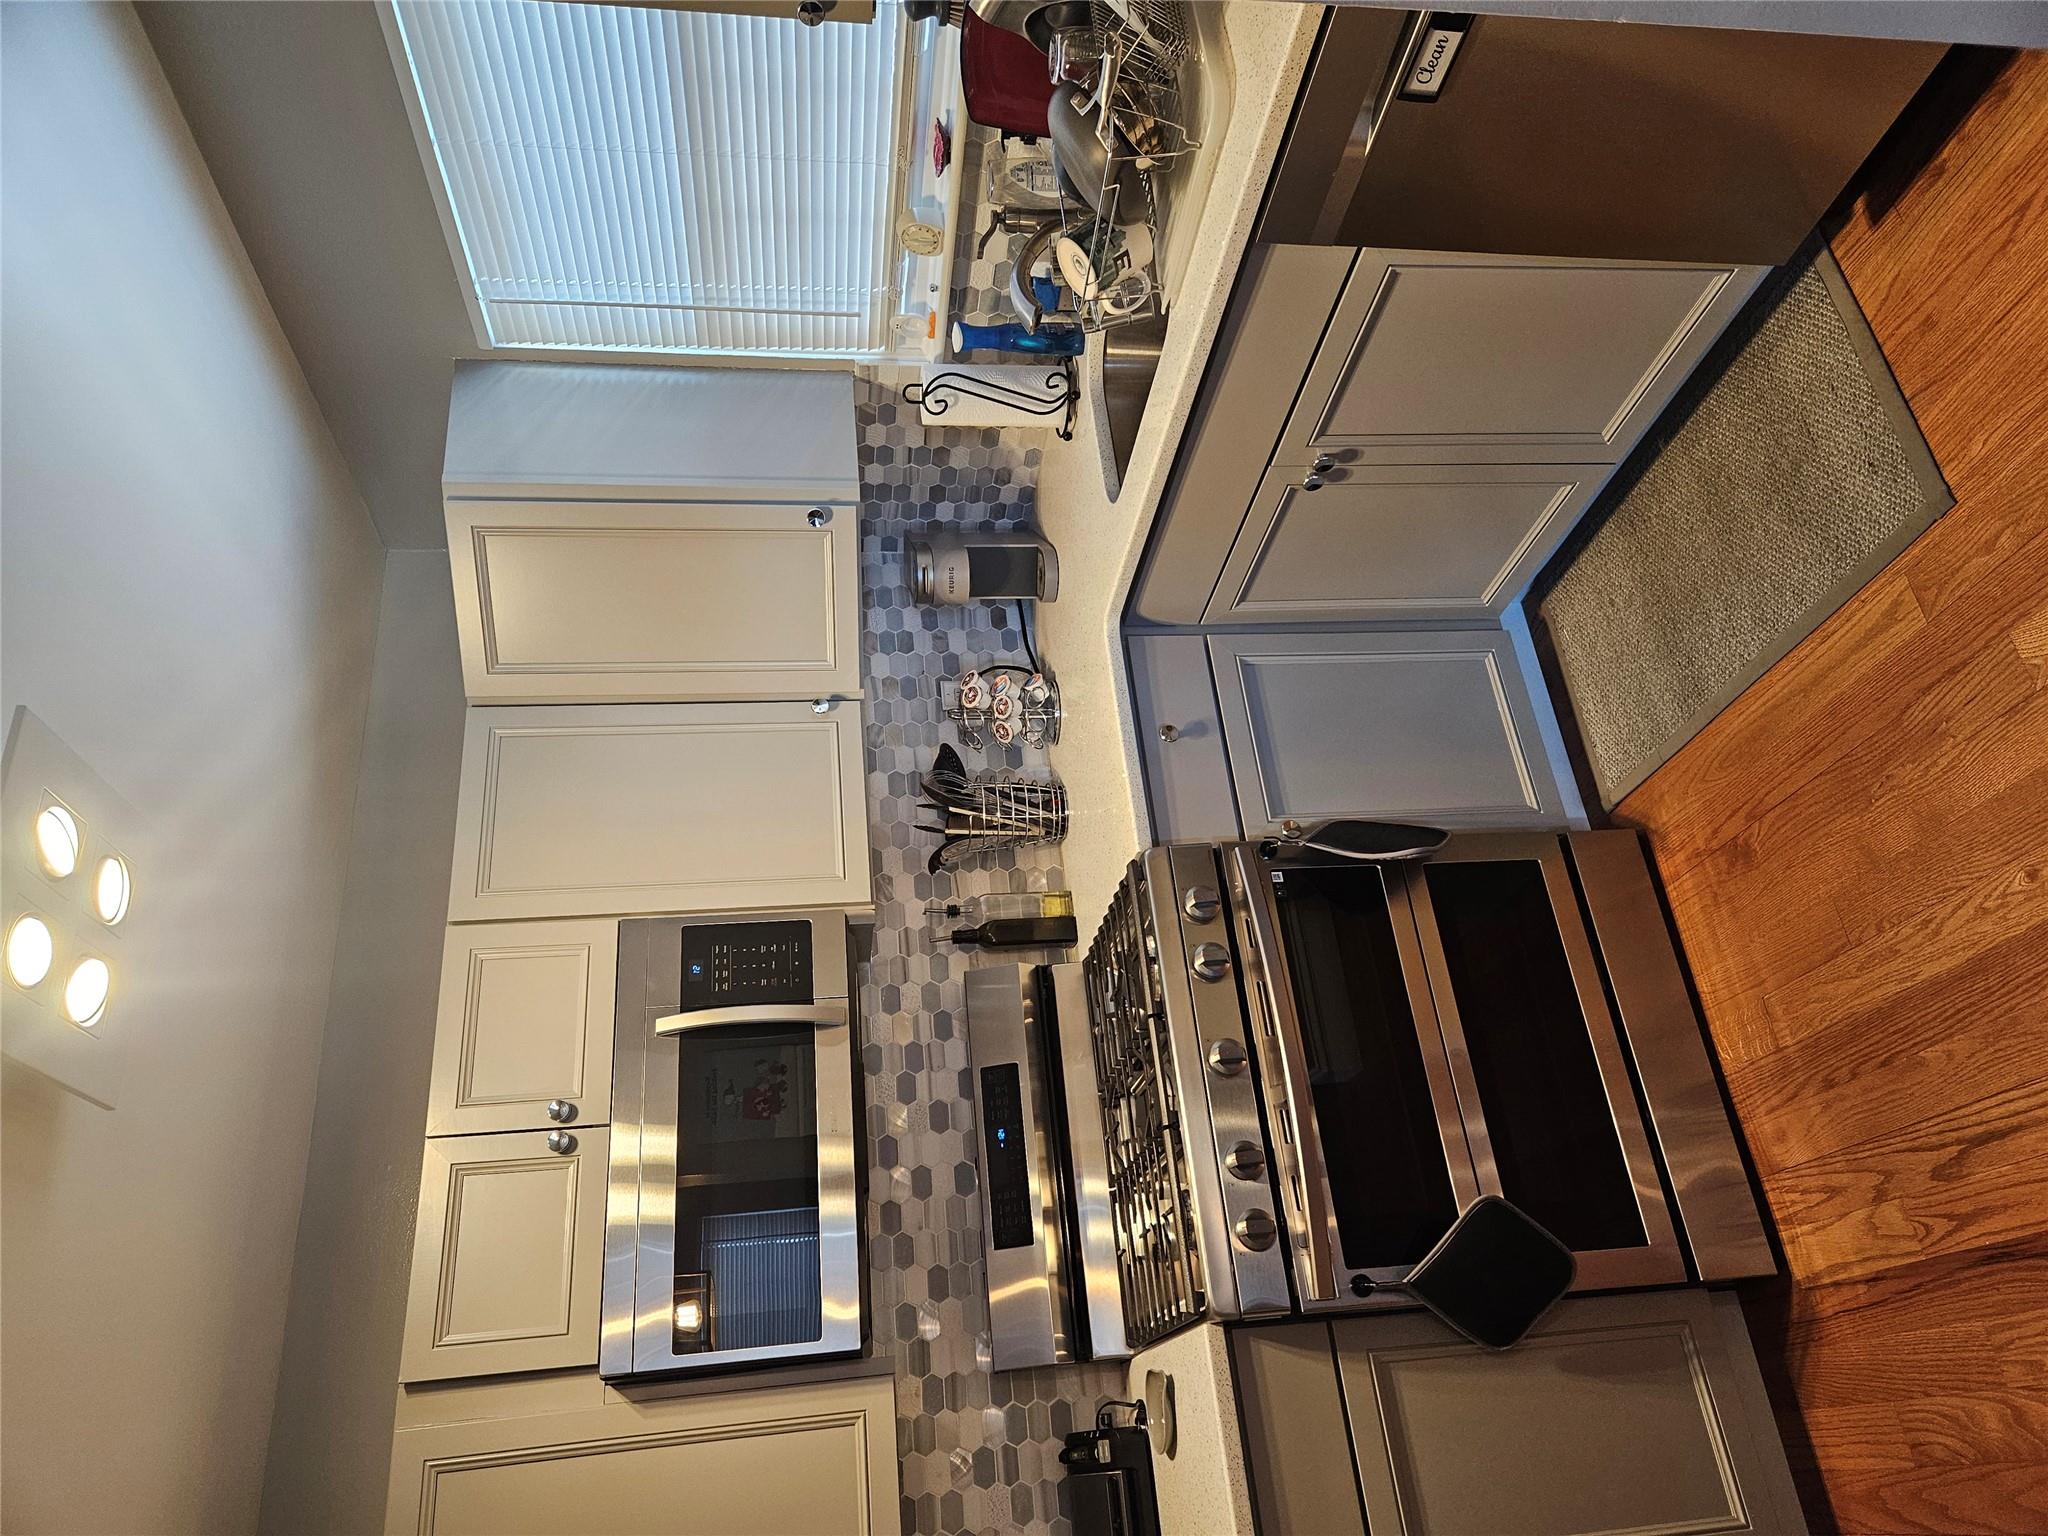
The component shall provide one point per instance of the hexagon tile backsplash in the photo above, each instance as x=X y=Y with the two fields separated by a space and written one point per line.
x=978 y=1453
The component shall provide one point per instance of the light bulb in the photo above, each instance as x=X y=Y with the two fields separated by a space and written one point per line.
x=85 y=994
x=111 y=888
x=689 y=1316
x=57 y=840
x=29 y=950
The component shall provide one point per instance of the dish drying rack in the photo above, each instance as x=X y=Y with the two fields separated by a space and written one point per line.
x=1128 y=61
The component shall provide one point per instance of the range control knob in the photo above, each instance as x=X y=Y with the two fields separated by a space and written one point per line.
x=1201 y=903
x=1211 y=962
x=1256 y=1230
x=1226 y=1058
x=1247 y=1160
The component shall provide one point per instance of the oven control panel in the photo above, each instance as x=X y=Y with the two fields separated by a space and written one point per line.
x=727 y=965
x=1003 y=1162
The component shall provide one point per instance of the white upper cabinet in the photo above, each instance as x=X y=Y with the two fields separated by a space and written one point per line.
x=596 y=809
x=586 y=430
x=563 y=601
x=653 y=534
x=508 y=1254
x=524 y=1036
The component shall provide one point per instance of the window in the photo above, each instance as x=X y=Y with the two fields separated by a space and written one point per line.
x=696 y=182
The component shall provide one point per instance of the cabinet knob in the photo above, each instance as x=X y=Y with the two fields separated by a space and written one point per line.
x=1311 y=481
x=817 y=517
x=1169 y=733
x=1323 y=464
x=561 y=1111
x=561 y=1141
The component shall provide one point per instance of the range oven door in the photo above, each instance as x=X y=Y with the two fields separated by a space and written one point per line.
x=1550 y=1108
x=730 y=1231
x=1435 y=1030
x=1361 y=1101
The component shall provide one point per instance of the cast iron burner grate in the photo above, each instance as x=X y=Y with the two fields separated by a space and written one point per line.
x=1156 y=1256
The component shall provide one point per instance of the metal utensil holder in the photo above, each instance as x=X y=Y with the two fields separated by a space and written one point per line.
x=1130 y=61
x=988 y=812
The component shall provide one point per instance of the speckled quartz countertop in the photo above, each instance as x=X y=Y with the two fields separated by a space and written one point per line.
x=1099 y=540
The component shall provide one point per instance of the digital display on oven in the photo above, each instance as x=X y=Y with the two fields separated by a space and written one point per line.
x=727 y=965
x=1003 y=1161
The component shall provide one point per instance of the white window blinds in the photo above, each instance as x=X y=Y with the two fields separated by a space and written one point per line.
x=660 y=180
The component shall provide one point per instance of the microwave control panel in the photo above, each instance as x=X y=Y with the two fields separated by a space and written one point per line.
x=727 y=965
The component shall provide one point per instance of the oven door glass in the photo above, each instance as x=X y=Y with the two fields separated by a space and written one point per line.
x=1391 y=1142
x=747 y=1272
x=1526 y=1033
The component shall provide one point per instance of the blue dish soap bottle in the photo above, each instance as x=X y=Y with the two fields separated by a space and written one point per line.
x=1046 y=341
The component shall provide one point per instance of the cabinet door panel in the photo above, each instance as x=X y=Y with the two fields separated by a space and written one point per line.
x=1628 y=1414
x=561 y=601
x=1443 y=357
x=1380 y=542
x=508 y=1255
x=1435 y=728
x=525 y=1019
x=760 y=1461
x=1187 y=768
x=659 y=808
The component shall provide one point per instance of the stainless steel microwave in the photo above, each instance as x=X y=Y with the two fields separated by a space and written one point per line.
x=732 y=1230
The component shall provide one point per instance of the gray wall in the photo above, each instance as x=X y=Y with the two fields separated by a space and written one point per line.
x=298 y=112
x=331 y=1434
x=190 y=594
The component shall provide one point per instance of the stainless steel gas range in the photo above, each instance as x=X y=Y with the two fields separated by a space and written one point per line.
x=1283 y=1068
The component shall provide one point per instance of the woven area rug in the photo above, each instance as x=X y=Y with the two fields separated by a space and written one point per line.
x=1786 y=475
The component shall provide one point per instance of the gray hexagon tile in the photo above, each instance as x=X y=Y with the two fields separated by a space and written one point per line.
x=978 y=1454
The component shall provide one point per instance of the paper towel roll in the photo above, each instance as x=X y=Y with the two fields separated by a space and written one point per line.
x=991 y=394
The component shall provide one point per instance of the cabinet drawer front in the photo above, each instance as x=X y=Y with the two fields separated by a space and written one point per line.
x=508 y=1253
x=1435 y=728
x=1445 y=356
x=1623 y=1415
x=659 y=808
x=563 y=601
x=525 y=1021
x=1378 y=542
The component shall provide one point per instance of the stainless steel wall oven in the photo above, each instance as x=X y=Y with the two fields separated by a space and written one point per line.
x=732 y=1217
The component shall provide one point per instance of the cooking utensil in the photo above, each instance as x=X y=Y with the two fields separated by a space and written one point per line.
x=1101 y=178
x=1004 y=77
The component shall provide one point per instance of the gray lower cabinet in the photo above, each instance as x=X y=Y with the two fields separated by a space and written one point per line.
x=1433 y=727
x=1180 y=733
x=1444 y=357
x=1617 y=1416
x=1365 y=542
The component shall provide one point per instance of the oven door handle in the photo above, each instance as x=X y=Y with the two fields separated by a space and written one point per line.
x=831 y=1011
x=1271 y=994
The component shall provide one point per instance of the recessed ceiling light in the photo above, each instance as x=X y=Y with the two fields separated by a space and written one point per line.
x=85 y=994
x=29 y=950
x=57 y=840
x=111 y=887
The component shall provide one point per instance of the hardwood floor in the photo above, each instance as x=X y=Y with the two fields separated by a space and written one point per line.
x=1856 y=853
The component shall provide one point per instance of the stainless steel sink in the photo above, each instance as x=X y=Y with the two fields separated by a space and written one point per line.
x=1122 y=360
x=1129 y=357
